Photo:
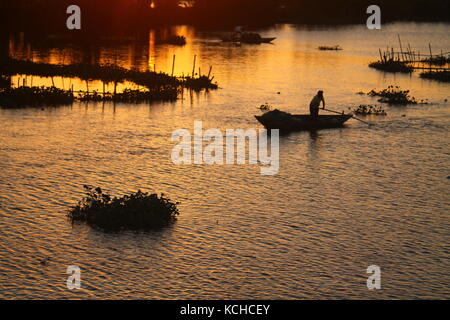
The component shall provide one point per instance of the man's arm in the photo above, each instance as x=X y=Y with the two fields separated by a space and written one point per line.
x=323 y=102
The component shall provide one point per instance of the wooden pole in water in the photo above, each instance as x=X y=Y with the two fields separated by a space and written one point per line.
x=53 y=83
x=173 y=64
x=193 y=67
x=401 y=48
x=199 y=72
x=431 y=54
x=379 y=50
x=210 y=69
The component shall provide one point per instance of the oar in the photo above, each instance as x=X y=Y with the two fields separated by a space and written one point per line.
x=352 y=116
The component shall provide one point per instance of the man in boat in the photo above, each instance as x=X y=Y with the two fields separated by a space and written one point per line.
x=237 y=35
x=315 y=104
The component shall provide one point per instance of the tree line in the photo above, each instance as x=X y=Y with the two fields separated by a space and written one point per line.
x=123 y=15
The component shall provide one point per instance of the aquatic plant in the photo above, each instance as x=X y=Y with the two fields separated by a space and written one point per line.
x=34 y=96
x=202 y=82
x=366 y=110
x=137 y=211
x=391 y=65
x=443 y=76
x=133 y=96
x=265 y=107
x=393 y=95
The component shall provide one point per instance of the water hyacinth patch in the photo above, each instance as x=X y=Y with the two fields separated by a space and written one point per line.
x=137 y=211
x=366 y=110
x=443 y=76
x=393 y=95
x=34 y=96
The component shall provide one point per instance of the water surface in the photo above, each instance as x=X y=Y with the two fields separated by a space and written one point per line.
x=343 y=199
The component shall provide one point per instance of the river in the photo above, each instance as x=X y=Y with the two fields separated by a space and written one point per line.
x=343 y=199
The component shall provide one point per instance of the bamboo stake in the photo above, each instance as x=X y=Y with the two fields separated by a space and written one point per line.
x=210 y=69
x=173 y=64
x=401 y=49
x=193 y=67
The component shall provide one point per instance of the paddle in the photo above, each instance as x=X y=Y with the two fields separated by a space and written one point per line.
x=352 y=116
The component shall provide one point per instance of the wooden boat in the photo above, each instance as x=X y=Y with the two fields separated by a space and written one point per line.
x=287 y=122
x=251 y=38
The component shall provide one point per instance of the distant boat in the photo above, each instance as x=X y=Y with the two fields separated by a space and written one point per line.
x=247 y=37
x=291 y=122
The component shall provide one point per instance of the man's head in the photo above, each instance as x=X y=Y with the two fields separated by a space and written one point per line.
x=320 y=93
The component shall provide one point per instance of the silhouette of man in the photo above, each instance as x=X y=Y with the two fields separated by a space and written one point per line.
x=315 y=104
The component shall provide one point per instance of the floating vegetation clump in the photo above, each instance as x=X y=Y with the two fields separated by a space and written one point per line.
x=367 y=110
x=133 y=96
x=51 y=96
x=34 y=96
x=202 y=82
x=174 y=40
x=392 y=66
x=265 y=107
x=137 y=211
x=443 y=76
x=337 y=48
x=393 y=95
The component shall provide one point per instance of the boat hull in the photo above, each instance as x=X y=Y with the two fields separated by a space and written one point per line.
x=248 y=41
x=287 y=122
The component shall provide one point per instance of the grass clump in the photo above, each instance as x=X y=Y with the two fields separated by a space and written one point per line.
x=443 y=76
x=137 y=211
x=393 y=95
x=366 y=110
x=391 y=65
